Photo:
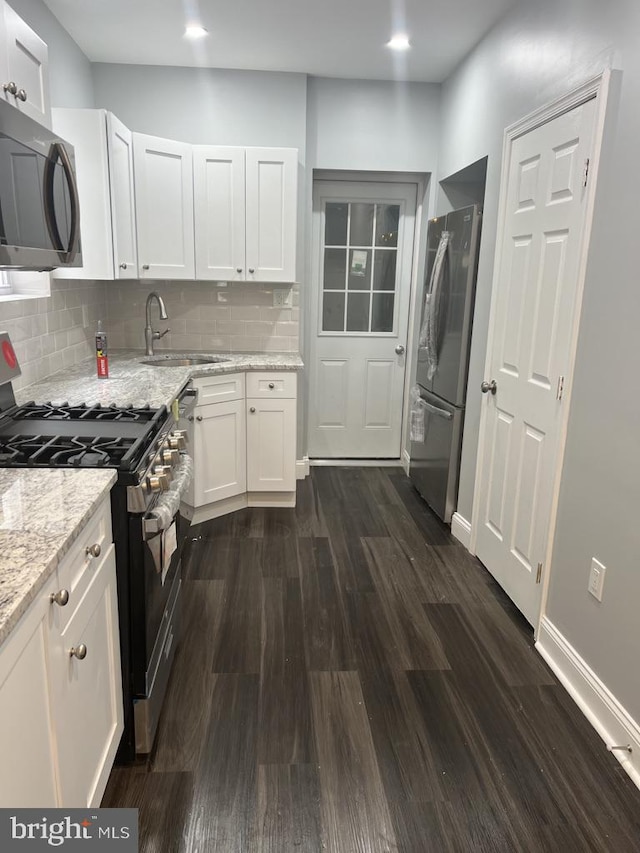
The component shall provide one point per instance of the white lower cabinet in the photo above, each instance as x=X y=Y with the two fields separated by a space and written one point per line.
x=219 y=446
x=271 y=435
x=243 y=443
x=62 y=711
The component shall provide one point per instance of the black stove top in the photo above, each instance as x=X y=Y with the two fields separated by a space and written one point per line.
x=48 y=435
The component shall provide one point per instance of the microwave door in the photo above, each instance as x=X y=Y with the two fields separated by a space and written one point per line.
x=21 y=180
x=61 y=204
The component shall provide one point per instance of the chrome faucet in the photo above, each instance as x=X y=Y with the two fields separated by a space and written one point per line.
x=150 y=335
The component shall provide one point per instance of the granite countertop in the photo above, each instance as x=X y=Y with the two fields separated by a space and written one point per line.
x=42 y=512
x=132 y=383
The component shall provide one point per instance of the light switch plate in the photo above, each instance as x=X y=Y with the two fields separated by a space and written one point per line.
x=596 y=578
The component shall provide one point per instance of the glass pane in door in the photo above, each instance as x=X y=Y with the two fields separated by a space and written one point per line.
x=335 y=269
x=336 y=218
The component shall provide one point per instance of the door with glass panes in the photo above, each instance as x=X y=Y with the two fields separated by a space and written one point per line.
x=363 y=247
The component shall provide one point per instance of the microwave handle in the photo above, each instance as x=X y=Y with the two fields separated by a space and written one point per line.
x=59 y=152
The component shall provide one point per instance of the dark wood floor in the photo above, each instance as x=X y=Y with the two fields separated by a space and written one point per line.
x=350 y=680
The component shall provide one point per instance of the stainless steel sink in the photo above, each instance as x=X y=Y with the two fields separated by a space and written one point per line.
x=171 y=361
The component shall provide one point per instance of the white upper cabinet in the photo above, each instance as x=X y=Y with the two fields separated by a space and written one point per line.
x=219 y=204
x=24 y=68
x=245 y=213
x=163 y=172
x=123 y=209
x=104 y=169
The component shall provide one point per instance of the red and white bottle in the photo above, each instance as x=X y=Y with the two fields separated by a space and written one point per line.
x=102 y=359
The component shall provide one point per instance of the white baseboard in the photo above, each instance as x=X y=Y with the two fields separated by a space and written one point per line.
x=605 y=713
x=302 y=468
x=461 y=529
x=406 y=462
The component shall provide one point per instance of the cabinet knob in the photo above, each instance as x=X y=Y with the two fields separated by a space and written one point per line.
x=190 y=418
x=61 y=598
x=252 y=410
x=198 y=417
x=93 y=550
x=238 y=269
x=123 y=266
x=21 y=95
x=79 y=652
x=145 y=266
x=10 y=88
x=272 y=385
x=251 y=269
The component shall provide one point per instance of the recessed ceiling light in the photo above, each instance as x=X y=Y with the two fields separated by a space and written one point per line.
x=195 y=32
x=399 y=42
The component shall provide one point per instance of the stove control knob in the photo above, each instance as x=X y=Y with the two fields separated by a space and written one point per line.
x=158 y=483
x=163 y=470
x=179 y=436
x=170 y=457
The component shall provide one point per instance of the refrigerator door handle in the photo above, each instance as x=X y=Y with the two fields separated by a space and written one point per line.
x=441 y=413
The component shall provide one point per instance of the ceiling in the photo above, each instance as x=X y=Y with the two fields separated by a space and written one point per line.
x=334 y=38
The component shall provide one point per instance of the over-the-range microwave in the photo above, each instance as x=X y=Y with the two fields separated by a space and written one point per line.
x=39 y=211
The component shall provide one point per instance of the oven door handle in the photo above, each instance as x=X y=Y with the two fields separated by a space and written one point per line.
x=162 y=515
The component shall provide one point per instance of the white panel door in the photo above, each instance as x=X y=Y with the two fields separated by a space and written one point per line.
x=27 y=60
x=27 y=771
x=535 y=293
x=219 y=212
x=123 y=208
x=87 y=694
x=363 y=249
x=271 y=445
x=163 y=172
x=220 y=451
x=271 y=205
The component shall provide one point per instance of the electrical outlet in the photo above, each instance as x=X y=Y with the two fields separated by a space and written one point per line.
x=281 y=298
x=596 y=578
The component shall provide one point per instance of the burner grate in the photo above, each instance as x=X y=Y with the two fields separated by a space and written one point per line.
x=63 y=451
x=65 y=412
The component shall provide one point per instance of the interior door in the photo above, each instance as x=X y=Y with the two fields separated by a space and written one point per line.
x=535 y=308
x=363 y=247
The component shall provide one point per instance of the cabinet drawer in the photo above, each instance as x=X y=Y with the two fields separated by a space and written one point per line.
x=79 y=566
x=276 y=384
x=216 y=389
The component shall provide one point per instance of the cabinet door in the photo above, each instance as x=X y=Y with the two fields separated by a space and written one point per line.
x=219 y=212
x=271 y=445
x=272 y=203
x=220 y=452
x=123 y=210
x=27 y=769
x=27 y=60
x=87 y=694
x=163 y=177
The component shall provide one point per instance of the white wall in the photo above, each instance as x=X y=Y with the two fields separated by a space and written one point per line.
x=70 y=79
x=540 y=51
x=208 y=106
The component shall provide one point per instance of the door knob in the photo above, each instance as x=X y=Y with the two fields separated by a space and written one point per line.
x=400 y=349
x=489 y=386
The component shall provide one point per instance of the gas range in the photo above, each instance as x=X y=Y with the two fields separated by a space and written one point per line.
x=153 y=470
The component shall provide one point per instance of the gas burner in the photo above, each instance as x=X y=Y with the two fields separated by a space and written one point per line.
x=62 y=451
x=65 y=412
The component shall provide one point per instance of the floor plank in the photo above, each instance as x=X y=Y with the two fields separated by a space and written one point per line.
x=351 y=679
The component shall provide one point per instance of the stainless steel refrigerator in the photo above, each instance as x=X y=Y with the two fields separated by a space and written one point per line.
x=443 y=359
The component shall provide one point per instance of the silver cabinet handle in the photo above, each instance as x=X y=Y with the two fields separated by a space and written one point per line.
x=123 y=266
x=21 y=95
x=93 y=550
x=238 y=269
x=79 y=652
x=190 y=418
x=251 y=269
x=10 y=88
x=145 y=266
x=400 y=349
x=252 y=410
x=272 y=385
x=61 y=598
x=198 y=417
x=492 y=386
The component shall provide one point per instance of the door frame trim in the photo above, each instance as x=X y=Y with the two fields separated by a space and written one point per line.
x=598 y=87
